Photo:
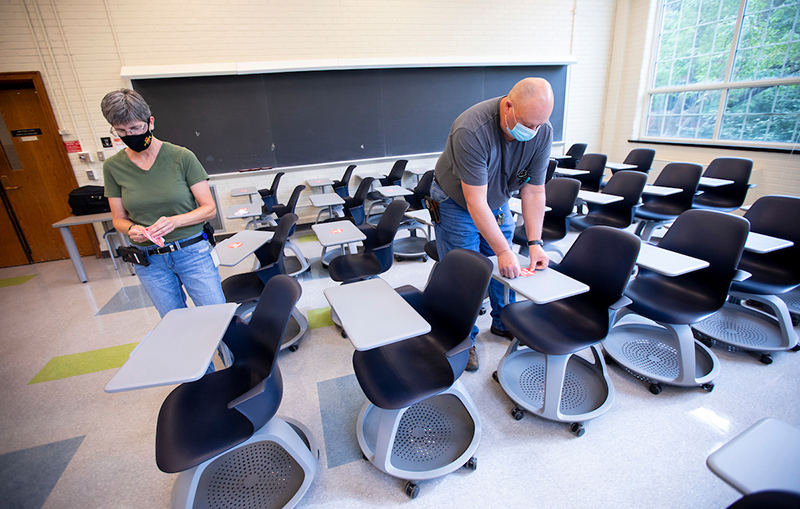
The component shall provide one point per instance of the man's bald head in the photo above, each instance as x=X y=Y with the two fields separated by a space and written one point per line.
x=532 y=99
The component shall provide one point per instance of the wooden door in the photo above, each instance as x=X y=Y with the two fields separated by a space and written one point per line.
x=39 y=177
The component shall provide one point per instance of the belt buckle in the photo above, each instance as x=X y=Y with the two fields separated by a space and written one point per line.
x=173 y=247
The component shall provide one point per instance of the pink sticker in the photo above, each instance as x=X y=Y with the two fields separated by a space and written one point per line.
x=234 y=245
x=337 y=230
x=527 y=272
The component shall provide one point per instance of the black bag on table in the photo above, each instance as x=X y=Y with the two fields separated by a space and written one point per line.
x=88 y=200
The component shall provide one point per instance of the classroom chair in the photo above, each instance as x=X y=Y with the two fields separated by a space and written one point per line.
x=642 y=158
x=221 y=433
x=269 y=197
x=552 y=164
x=540 y=371
x=659 y=210
x=413 y=246
x=666 y=352
x=279 y=211
x=420 y=422
x=340 y=187
x=595 y=164
x=729 y=197
x=755 y=319
x=246 y=288
x=619 y=214
x=572 y=157
x=395 y=178
x=560 y=196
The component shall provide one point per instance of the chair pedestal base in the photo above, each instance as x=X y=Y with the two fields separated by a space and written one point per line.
x=295 y=329
x=272 y=469
x=662 y=353
x=564 y=388
x=426 y=440
x=412 y=246
x=303 y=261
x=749 y=329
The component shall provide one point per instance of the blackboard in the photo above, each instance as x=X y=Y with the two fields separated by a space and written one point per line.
x=297 y=118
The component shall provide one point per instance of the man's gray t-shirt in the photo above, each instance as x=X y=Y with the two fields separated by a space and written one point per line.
x=478 y=154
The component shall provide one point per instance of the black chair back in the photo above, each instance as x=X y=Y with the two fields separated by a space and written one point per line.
x=269 y=321
x=573 y=156
x=290 y=205
x=552 y=164
x=456 y=288
x=354 y=207
x=422 y=190
x=395 y=177
x=629 y=185
x=731 y=196
x=642 y=158
x=340 y=187
x=619 y=251
x=272 y=251
x=390 y=221
x=270 y=196
x=561 y=194
x=596 y=165
x=683 y=175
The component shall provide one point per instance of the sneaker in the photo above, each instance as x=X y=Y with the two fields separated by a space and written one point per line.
x=472 y=363
x=499 y=332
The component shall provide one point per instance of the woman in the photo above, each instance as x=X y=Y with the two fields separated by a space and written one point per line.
x=159 y=191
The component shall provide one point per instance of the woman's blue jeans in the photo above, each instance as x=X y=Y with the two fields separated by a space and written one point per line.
x=456 y=229
x=191 y=268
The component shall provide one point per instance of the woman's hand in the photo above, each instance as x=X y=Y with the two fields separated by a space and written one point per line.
x=162 y=227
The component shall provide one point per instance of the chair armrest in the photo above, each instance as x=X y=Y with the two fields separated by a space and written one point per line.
x=461 y=347
x=741 y=275
x=621 y=303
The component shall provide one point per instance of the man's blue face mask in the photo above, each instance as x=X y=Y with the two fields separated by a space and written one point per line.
x=521 y=132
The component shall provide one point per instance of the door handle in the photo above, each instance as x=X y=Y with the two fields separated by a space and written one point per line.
x=6 y=184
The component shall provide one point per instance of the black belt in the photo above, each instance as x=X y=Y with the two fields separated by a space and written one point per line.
x=171 y=248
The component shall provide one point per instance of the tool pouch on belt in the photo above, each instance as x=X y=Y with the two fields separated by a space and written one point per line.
x=433 y=208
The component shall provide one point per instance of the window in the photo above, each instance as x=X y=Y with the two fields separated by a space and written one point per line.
x=727 y=71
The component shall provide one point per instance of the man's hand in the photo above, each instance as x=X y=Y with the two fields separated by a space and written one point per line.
x=508 y=264
x=539 y=258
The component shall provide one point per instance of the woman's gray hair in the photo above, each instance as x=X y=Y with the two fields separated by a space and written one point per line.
x=124 y=106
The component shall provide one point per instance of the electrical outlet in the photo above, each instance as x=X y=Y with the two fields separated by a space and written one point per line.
x=101 y=155
x=86 y=157
x=91 y=175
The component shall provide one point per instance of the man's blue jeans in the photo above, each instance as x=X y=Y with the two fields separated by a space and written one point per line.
x=190 y=267
x=457 y=230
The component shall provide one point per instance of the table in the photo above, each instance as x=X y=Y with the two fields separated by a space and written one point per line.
x=249 y=191
x=615 y=167
x=418 y=173
x=714 y=182
x=244 y=211
x=766 y=456
x=63 y=226
x=320 y=182
x=515 y=205
x=660 y=190
x=337 y=233
x=423 y=216
x=373 y=314
x=599 y=198
x=394 y=191
x=666 y=262
x=568 y=172
x=326 y=200
x=760 y=243
x=235 y=249
x=178 y=350
x=546 y=285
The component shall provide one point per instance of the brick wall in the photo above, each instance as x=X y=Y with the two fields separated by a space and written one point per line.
x=101 y=36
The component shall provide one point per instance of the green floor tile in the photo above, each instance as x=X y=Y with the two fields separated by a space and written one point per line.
x=82 y=363
x=319 y=318
x=307 y=238
x=14 y=281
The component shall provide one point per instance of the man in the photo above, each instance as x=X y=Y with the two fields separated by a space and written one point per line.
x=495 y=148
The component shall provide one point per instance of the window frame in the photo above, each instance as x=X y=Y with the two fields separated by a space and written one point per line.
x=724 y=87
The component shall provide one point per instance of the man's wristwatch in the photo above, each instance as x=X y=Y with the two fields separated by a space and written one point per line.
x=535 y=243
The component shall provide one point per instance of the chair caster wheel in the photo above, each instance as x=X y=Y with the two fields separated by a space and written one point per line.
x=344 y=334
x=578 y=429
x=293 y=348
x=699 y=336
x=496 y=378
x=482 y=311
x=796 y=348
x=766 y=358
x=364 y=457
x=517 y=413
x=795 y=319
x=424 y=258
x=708 y=387
x=411 y=489
x=472 y=464
x=656 y=388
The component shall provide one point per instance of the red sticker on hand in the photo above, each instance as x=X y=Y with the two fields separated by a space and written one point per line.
x=234 y=245
x=337 y=230
x=525 y=272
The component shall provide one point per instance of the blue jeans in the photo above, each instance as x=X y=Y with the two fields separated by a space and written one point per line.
x=190 y=267
x=457 y=230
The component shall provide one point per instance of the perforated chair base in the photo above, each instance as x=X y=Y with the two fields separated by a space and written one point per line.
x=272 y=469
x=748 y=329
x=412 y=246
x=792 y=300
x=295 y=329
x=662 y=353
x=427 y=440
x=564 y=388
